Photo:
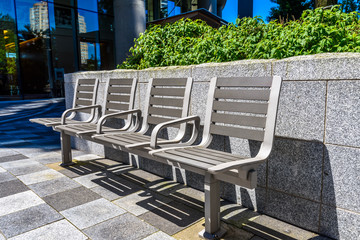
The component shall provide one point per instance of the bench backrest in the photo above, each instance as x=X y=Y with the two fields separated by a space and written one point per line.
x=85 y=93
x=169 y=98
x=119 y=96
x=242 y=107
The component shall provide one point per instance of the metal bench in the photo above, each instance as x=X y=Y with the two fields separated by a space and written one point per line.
x=244 y=108
x=118 y=103
x=84 y=98
x=168 y=99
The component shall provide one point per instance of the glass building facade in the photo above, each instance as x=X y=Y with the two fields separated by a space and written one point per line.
x=42 y=40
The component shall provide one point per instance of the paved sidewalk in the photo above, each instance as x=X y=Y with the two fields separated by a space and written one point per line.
x=100 y=198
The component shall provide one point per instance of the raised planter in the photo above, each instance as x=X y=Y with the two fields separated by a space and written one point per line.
x=312 y=177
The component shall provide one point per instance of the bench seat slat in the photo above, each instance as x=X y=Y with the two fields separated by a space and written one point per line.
x=122 y=81
x=251 y=121
x=169 y=82
x=118 y=98
x=245 y=107
x=113 y=89
x=221 y=154
x=171 y=112
x=257 y=135
x=86 y=81
x=249 y=94
x=205 y=157
x=245 y=82
x=117 y=106
x=85 y=95
x=173 y=102
x=175 y=92
x=83 y=88
x=157 y=120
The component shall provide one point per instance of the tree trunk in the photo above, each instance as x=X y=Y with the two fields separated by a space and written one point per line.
x=324 y=3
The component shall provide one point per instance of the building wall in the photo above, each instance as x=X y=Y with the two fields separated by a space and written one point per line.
x=311 y=179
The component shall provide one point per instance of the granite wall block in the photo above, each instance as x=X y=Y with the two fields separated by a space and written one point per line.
x=343 y=113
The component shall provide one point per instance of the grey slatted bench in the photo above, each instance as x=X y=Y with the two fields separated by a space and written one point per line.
x=168 y=100
x=118 y=103
x=244 y=108
x=84 y=97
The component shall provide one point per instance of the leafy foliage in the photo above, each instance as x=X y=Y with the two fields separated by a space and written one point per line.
x=187 y=42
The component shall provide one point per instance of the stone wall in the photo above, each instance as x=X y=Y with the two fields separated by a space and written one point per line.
x=312 y=177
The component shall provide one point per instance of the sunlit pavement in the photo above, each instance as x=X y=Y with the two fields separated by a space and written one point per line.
x=98 y=198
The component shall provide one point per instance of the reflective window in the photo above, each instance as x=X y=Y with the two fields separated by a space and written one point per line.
x=63 y=2
x=106 y=7
x=9 y=86
x=34 y=48
x=87 y=5
x=107 y=42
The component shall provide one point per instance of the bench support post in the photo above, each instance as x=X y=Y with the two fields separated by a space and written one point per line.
x=65 y=149
x=212 y=208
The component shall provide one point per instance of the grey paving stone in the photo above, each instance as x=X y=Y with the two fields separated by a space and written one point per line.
x=113 y=188
x=341 y=177
x=18 y=164
x=5 y=176
x=80 y=169
x=91 y=213
x=30 y=168
x=46 y=158
x=172 y=217
x=55 y=231
x=301 y=112
x=164 y=186
x=7 y=152
x=126 y=227
x=141 y=202
x=297 y=211
x=12 y=158
x=140 y=176
x=50 y=187
x=159 y=235
x=41 y=176
x=71 y=198
x=339 y=224
x=235 y=214
x=12 y=187
x=343 y=113
x=25 y=220
x=190 y=197
x=19 y=201
x=295 y=167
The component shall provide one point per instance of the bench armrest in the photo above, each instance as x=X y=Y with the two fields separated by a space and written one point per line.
x=66 y=112
x=117 y=114
x=235 y=165
x=157 y=129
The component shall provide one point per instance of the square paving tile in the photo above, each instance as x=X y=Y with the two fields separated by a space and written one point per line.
x=6 y=176
x=79 y=169
x=41 y=176
x=140 y=176
x=71 y=198
x=12 y=187
x=159 y=235
x=92 y=213
x=141 y=202
x=172 y=217
x=19 y=201
x=4 y=152
x=31 y=168
x=46 y=158
x=113 y=188
x=55 y=231
x=125 y=226
x=25 y=220
x=190 y=196
x=18 y=163
x=12 y=158
x=53 y=186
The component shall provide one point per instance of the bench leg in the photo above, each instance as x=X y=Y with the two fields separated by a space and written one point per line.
x=212 y=209
x=65 y=149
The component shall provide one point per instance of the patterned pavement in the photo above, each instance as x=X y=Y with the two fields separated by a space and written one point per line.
x=97 y=198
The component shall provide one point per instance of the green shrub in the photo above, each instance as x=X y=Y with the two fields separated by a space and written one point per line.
x=187 y=42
